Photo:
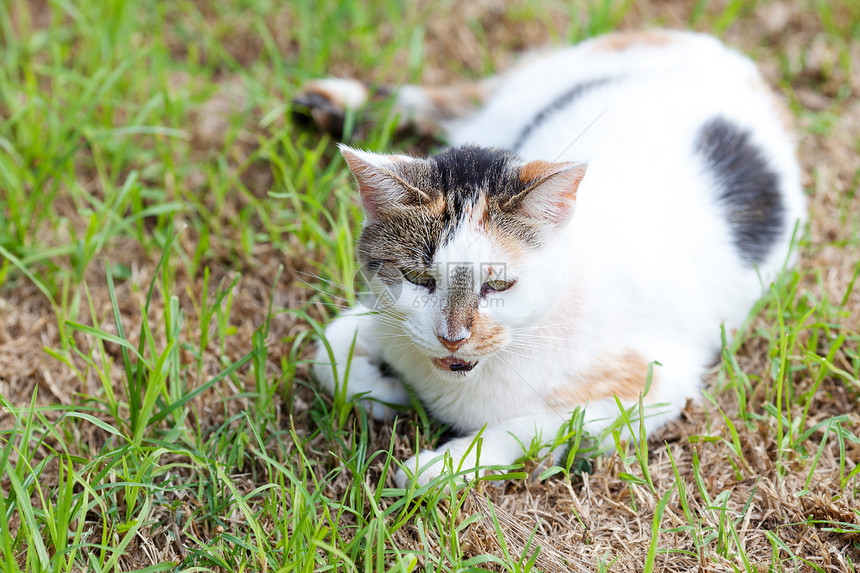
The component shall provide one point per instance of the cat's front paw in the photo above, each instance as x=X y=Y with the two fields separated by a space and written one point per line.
x=375 y=388
x=459 y=456
x=367 y=377
x=326 y=101
x=432 y=465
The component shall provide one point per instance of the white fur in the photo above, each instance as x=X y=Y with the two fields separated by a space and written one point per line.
x=647 y=263
x=345 y=93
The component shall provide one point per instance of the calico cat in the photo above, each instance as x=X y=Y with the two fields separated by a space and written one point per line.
x=602 y=210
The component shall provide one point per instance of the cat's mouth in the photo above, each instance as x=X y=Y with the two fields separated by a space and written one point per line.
x=454 y=364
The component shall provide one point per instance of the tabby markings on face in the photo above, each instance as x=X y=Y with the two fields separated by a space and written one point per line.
x=417 y=208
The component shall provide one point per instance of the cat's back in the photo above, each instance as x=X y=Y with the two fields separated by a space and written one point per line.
x=567 y=100
x=680 y=132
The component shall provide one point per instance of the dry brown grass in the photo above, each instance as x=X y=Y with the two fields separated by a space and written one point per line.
x=592 y=517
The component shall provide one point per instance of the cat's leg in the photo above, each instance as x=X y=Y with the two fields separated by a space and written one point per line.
x=368 y=373
x=424 y=108
x=498 y=445
x=595 y=389
x=504 y=443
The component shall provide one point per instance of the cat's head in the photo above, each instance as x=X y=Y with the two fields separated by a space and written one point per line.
x=459 y=247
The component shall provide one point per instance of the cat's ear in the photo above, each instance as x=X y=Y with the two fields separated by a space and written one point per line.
x=382 y=182
x=550 y=194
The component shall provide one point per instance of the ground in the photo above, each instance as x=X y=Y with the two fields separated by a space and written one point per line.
x=171 y=238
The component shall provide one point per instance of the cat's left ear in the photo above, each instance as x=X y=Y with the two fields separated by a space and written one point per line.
x=383 y=186
x=550 y=194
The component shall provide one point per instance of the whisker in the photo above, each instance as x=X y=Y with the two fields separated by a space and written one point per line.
x=537 y=345
x=542 y=326
x=321 y=279
x=530 y=356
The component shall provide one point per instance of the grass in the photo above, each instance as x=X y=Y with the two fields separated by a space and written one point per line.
x=171 y=240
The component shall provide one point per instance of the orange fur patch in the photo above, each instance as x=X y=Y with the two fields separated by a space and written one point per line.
x=487 y=333
x=478 y=214
x=625 y=40
x=617 y=375
x=445 y=103
x=454 y=101
x=534 y=170
x=515 y=249
x=437 y=207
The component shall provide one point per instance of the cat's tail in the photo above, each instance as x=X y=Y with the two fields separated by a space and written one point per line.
x=428 y=110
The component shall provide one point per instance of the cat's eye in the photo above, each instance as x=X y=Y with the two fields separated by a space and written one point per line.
x=420 y=278
x=496 y=286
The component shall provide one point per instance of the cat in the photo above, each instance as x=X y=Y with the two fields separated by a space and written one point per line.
x=603 y=210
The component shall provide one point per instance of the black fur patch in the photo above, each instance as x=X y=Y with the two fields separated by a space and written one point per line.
x=462 y=174
x=386 y=370
x=556 y=105
x=748 y=187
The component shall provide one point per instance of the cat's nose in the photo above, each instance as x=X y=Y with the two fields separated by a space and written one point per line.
x=452 y=345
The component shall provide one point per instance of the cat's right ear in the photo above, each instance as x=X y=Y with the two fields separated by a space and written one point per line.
x=550 y=194
x=381 y=182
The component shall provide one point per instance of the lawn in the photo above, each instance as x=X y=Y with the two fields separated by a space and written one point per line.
x=172 y=238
